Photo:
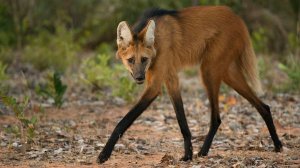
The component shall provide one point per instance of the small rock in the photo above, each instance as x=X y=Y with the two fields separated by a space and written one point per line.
x=72 y=124
x=139 y=157
x=119 y=146
x=80 y=141
x=235 y=126
x=295 y=158
x=196 y=166
x=15 y=144
x=3 y=144
x=84 y=162
x=89 y=150
x=43 y=151
x=57 y=130
x=141 y=147
x=119 y=101
x=141 y=141
x=99 y=146
x=58 y=151
x=262 y=166
x=33 y=156
x=50 y=101
x=77 y=137
x=92 y=123
x=81 y=149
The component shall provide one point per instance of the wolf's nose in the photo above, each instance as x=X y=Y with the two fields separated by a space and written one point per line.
x=140 y=78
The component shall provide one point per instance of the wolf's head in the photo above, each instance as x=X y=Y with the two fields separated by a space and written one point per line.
x=136 y=50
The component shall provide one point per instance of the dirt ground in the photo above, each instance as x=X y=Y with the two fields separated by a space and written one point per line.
x=74 y=135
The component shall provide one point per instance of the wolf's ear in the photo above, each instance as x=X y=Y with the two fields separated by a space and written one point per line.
x=149 y=35
x=124 y=35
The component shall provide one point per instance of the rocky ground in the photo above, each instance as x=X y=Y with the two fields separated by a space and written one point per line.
x=74 y=135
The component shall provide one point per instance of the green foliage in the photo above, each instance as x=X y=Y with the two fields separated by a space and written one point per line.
x=99 y=72
x=259 y=40
x=262 y=67
x=225 y=89
x=48 y=34
x=7 y=36
x=190 y=72
x=13 y=129
x=292 y=69
x=3 y=75
x=123 y=87
x=294 y=41
x=19 y=111
x=54 y=89
x=56 y=51
x=105 y=48
x=6 y=54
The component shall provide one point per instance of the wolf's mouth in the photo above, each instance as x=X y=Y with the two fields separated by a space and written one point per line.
x=140 y=82
x=137 y=80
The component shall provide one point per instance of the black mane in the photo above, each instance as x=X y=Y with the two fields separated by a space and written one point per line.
x=150 y=13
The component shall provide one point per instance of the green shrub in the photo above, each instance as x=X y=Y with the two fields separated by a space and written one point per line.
x=292 y=69
x=7 y=30
x=27 y=123
x=123 y=86
x=54 y=89
x=294 y=42
x=3 y=75
x=259 y=40
x=105 y=76
x=56 y=51
x=6 y=55
x=191 y=72
x=263 y=67
x=105 y=48
x=97 y=71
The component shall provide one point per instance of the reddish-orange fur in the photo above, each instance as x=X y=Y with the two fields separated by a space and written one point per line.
x=212 y=37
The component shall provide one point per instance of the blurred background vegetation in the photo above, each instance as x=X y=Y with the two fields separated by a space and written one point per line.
x=77 y=39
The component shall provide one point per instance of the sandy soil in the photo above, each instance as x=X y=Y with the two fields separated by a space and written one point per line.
x=74 y=135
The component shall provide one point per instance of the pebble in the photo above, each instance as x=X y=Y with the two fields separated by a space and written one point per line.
x=58 y=151
x=119 y=146
x=196 y=166
x=3 y=144
x=80 y=141
x=15 y=144
x=72 y=124
x=119 y=101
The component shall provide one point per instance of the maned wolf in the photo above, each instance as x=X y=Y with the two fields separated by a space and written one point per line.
x=163 y=42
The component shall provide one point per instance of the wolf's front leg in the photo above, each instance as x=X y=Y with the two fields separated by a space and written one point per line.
x=174 y=92
x=147 y=98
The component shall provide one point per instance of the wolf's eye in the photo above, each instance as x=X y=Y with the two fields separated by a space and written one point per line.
x=131 y=60
x=144 y=59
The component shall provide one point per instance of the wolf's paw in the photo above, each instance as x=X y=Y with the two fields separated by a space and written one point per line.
x=278 y=148
x=103 y=157
x=186 y=157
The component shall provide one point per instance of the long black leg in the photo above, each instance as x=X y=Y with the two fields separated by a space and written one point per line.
x=212 y=84
x=264 y=110
x=175 y=96
x=125 y=123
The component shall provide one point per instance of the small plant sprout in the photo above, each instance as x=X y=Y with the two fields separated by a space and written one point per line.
x=54 y=89
x=26 y=124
